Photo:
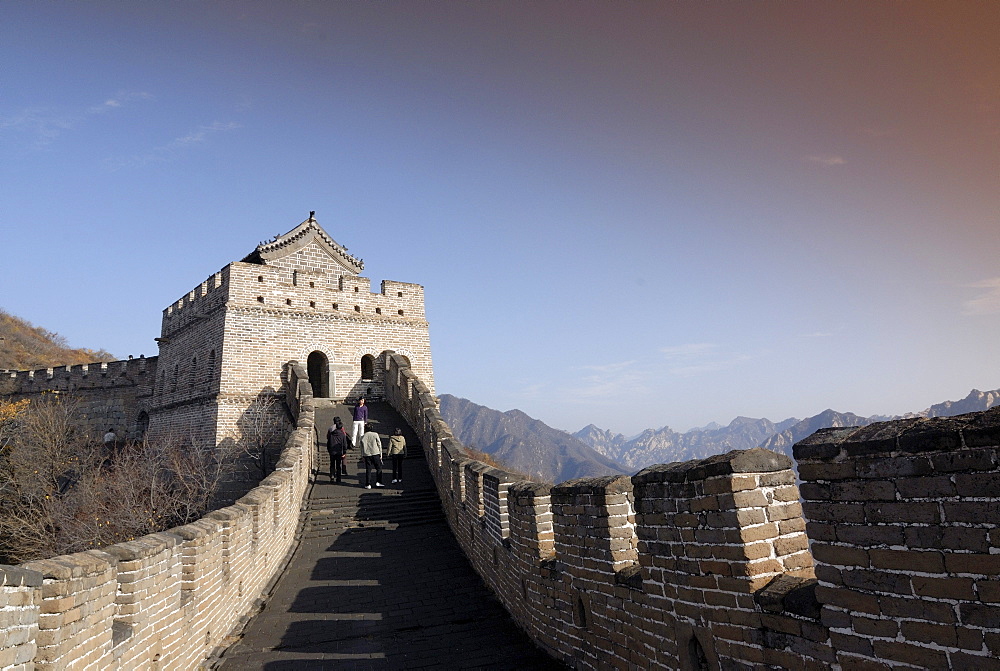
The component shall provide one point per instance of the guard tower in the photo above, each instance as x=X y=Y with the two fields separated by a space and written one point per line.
x=299 y=296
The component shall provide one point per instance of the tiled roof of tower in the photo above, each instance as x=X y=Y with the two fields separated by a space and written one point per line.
x=299 y=237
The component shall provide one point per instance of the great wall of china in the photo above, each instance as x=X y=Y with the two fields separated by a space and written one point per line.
x=887 y=555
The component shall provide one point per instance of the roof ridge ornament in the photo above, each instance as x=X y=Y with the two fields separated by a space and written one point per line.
x=282 y=244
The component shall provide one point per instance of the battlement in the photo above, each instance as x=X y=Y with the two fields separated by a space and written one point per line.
x=101 y=375
x=888 y=558
x=318 y=292
x=196 y=304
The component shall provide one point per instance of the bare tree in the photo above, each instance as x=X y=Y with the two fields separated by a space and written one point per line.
x=61 y=492
x=261 y=431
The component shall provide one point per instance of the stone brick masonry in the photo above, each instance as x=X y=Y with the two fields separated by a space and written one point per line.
x=167 y=600
x=707 y=564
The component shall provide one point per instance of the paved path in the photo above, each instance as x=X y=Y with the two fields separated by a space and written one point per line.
x=379 y=582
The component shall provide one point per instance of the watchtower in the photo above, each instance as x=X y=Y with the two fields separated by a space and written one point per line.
x=299 y=297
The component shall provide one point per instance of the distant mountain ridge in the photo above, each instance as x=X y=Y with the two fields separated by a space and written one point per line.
x=664 y=445
x=654 y=446
x=532 y=447
x=524 y=444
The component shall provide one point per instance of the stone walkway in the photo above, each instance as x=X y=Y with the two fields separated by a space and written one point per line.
x=378 y=582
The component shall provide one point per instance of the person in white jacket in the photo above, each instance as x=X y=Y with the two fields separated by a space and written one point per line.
x=371 y=449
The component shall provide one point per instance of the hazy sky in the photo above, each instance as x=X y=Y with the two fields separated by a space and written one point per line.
x=634 y=214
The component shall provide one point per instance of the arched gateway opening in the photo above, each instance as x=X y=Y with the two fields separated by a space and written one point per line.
x=319 y=374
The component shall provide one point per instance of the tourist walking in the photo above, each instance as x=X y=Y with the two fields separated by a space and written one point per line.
x=360 y=417
x=397 y=452
x=337 y=444
x=371 y=448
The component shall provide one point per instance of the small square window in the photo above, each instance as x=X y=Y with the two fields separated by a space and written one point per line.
x=288 y=301
x=357 y=308
x=399 y=293
x=336 y=307
x=378 y=311
x=312 y=304
x=312 y=285
x=400 y=313
x=355 y=290
x=260 y=278
x=260 y=299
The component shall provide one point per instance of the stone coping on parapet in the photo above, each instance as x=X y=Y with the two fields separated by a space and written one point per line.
x=596 y=486
x=757 y=460
x=903 y=436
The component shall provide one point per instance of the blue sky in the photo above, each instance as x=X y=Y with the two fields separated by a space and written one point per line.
x=627 y=214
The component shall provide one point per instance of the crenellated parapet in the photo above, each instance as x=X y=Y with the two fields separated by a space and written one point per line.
x=707 y=563
x=323 y=293
x=903 y=519
x=102 y=375
x=167 y=600
x=111 y=394
x=196 y=304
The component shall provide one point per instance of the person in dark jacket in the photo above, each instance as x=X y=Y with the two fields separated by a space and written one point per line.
x=337 y=444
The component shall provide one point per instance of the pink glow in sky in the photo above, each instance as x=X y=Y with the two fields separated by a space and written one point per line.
x=632 y=214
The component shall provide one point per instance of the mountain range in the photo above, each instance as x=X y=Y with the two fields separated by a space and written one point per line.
x=532 y=447
x=524 y=444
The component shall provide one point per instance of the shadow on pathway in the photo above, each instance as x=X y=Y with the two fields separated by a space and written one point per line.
x=379 y=582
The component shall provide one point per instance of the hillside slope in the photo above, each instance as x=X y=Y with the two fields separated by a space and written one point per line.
x=24 y=346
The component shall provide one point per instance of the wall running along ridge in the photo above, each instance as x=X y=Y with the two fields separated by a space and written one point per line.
x=707 y=563
x=167 y=600
x=110 y=394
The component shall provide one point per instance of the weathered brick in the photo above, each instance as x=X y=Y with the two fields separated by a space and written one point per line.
x=907 y=560
x=979 y=615
x=840 y=555
x=981 y=564
x=871 y=536
x=880 y=627
x=944 y=588
x=911 y=654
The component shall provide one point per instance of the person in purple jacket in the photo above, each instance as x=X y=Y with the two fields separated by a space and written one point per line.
x=360 y=417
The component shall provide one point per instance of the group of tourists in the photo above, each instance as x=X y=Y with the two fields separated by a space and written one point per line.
x=370 y=442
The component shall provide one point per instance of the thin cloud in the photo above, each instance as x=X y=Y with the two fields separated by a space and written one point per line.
x=696 y=358
x=817 y=334
x=612 y=384
x=122 y=98
x=43 y=125
x=827 y=159
x=722 y=363
x=687 y=351
x=608 y=367
x=173 y=149
x=985 y=303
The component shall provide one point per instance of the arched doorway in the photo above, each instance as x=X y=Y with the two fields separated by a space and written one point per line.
x=141 y=426
x=319 y=374
x=367 y=368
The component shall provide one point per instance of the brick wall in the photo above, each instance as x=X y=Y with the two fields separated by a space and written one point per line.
x=903 y=518
x=110 y=394
x=707 y=564
x=167 y=600
x=19 y=614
